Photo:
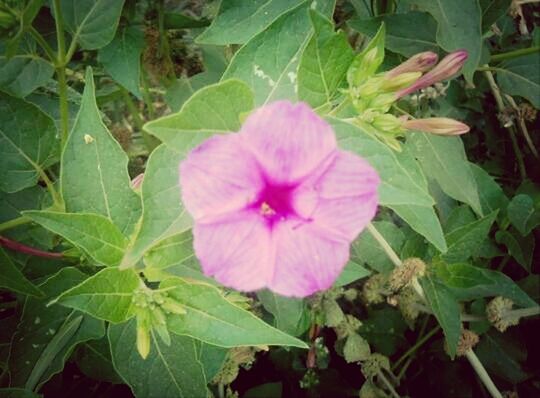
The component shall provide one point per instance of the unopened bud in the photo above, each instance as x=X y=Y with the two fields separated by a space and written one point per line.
x=374 y=289
x=467 y=341
x=383 y=102
x=169 y=305
x=448 y=67
x=387 y=123
x=137 y=182
x=143 y=335
x=496 y=311
x=403 y=275
x=400 y=81
x=420 y=62
x=437 y=125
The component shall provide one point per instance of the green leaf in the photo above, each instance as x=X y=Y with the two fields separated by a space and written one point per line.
x=492 y=10
x=212 y=358
x=27 y=143
x=92 y=23
x=464 y=242
x=406 y=34
x=106 y=295
x=519 y=76
x=446 y=309
x=17 y=393
x=168 y=371
x=94 y=360
x=11 y=204
x=491 y=194
x=403 y=186
x=356 y=348
x=163 y=212
x=459 y=27
x=213 y=319
x=324 y=63
x=12 y=278
x=46 y=335
x=366 y=250
x=94 y=168
x=290 y=314
x=121 y=58
x=214 y=109
x=268 y=62
x=468 y=282
x=352 y=272
x=23 y=73
x=522 y=214
x=95 y=234
x=521 y=248
x=175 y=20
x=444 y=160
x=384 y=330
x=238 y=21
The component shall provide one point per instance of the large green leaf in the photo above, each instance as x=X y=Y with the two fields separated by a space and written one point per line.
x=324 y=63
x=290 y=314
x=445 y=308
x=238 y=20
x=95 y=234
x=491 y=194
x=268 y=62
x=94 y=360
x=212 y=358
x=352 y=272
x=27 y=143
x=94 y=168
x=521 y=76
x=12 y=278
x=213 y=319
x=519 y=247
x=46 y=334
x=17 y=393
x=92 y=23
x=406 y=34
x=163 y=212
x=384 y=329
x=212 y=110
x=168 y=371
x=522 y=213
x=492 y=10
x=444 y=159
x=468 y=282
x=403 y=186
x=466 y=241
x=23 y=73
x=459 y=27
x=106 y=295
x=121 y=58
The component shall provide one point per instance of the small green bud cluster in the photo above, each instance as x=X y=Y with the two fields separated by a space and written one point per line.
x=151 y=310
x=376 y=289
x=373 y=364
x=310 y=380
x=408 y=302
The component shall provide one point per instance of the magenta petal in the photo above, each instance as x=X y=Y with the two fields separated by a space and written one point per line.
x=289 y=140
x=347 y=196
x=218 y=177
x=237 y=250
x=308 y=259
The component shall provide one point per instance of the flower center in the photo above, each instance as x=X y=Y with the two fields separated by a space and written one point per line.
x=274 y=201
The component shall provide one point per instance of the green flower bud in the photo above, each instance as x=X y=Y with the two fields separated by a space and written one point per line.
x=374 y=364
x=172 y=306
x=400 y=81
x=388 y=123
x=368 y=61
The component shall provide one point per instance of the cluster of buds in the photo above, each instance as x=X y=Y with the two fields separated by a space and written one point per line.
x=372 y=94
x=373 y=364
x=236 y=358
x=467 y=341
x=376 y=289
x=404 y=274
x=151 y=310
x=496 y=312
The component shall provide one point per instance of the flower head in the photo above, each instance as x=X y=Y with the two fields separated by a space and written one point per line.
x=277 y=204
x=437 y=125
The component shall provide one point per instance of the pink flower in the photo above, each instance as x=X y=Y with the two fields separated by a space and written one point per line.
x=277 y=204
x=448 y=67
x=417 y=63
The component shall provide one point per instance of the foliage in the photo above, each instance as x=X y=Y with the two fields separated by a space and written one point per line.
x=100 y=288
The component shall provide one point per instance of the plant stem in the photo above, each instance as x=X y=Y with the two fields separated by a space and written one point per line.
x=14 y=223
x=147 y=97
x=514 y=54
x=61 y=62
x=415 y=347
x=388 y=385
x=500 y=104
x=481 y=372
x=522 y=125
x=149 y=141
x=523 y=312
x=384 y=244
x=43 y=44
x=19 y=247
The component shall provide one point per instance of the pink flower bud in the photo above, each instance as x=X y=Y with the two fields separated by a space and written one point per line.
x=448 y=67
x=437 y=125
x=420 y=62
x=137 y=181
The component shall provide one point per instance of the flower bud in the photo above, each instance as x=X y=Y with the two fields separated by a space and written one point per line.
x=383 y=102
x=374 y=364
x=437 y=125
x=496 y=311
x=420 y=62
x=387 y=123
x=137 y=182
x=374 y=290
x=403 y=275
x=467 y=341
x=143 y=334
x=448 y=67
x=400 y=81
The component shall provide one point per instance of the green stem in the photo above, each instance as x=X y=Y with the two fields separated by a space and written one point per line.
x=415 y=347
x=514 y=54
x=149 y=141
x=388 y=385
x=481 y=372
x=14 y=223
x=61 y=62
x=384 y=245
x=44 y=45
x=57 y=200
x=523 y=312
x=147 y=97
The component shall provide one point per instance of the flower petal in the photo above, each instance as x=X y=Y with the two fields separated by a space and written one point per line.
x=347 y=196
x=219 y=176
x=237 y=250
x=289 y=140
x=308 y=259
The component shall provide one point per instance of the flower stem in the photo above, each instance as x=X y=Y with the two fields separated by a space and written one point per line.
x=514 y=54
x=384 y=245
x=19 y=247
x=523 y=312
x=43 y=44
x=388 y=385
x=481 y=372
x=14 y=223
x=415 y=347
